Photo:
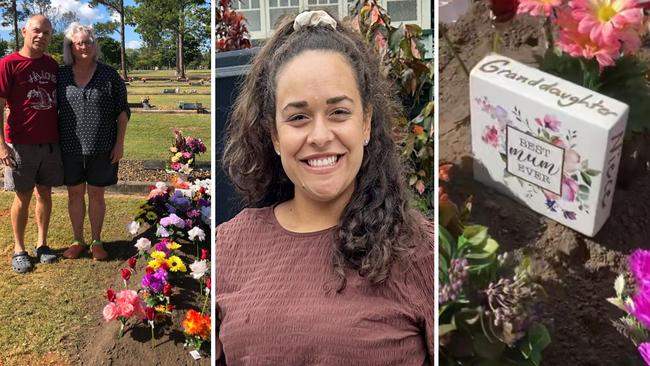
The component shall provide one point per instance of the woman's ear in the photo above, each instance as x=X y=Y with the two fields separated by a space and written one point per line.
x=276 y=142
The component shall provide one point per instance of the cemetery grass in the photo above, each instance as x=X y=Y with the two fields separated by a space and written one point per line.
x=48 y=310
x=148 y=136
x=577 y=272
x=192 y=74
x=145 y=88
x=170 y=101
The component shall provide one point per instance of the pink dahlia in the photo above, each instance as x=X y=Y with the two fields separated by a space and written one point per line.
x=569 y=189
x=639 y=263
x=491 y=136
x=579 y=44
x=641 y=307
x=538 y=7
x=603 y=20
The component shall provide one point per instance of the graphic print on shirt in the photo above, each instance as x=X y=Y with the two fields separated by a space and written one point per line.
x=39 y=98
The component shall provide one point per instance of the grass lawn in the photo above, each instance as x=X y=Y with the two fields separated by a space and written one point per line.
x=149 y=135
x=171 y=101
x=170 y=73
x=45 y=313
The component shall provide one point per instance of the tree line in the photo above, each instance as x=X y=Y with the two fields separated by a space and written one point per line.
x=174 y=33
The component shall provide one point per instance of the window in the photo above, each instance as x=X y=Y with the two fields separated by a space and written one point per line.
x=279 y=8
x=263 y=15
x=251 y=10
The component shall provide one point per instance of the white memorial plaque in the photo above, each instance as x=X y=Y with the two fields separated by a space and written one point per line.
x=548 y=143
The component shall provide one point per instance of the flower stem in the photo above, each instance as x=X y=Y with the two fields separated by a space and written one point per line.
x=121 y=333
x=205 y=302
x=453 y=50
x=153 y=340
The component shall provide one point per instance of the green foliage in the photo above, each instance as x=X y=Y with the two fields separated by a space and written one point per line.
x=401 y=51
x=625 y=81
x=4 y=47
x=110 y=51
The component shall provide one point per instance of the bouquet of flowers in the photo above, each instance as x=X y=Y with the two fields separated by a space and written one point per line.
x=183 y=153
x=591 y=43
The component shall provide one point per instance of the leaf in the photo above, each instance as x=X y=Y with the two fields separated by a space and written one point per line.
x=445 y=328
x=486 y=349
x=583 y=188
x=413 y=179
x=476 y=234
x=537 y=340
x=592 y=172
x=586 y=178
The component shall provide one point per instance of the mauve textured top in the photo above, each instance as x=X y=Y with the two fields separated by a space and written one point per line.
x=277 y=302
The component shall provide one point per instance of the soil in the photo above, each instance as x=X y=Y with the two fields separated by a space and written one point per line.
x=103 y=347
x=579 y=272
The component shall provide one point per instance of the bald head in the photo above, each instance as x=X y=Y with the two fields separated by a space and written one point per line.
x=37 y=34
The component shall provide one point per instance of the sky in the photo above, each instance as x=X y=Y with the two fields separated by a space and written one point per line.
x=86 y=15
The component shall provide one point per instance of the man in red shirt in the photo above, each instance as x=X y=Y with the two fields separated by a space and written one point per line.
x=29 y=147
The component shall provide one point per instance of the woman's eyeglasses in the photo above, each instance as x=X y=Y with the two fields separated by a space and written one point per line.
x=83 y=44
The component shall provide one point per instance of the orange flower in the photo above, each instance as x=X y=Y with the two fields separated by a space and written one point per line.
x=196 y=324
x=417 y=129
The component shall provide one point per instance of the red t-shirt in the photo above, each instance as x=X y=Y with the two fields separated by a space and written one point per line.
x=29 y=86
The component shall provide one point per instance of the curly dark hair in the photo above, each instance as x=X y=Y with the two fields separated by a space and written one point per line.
x=377 y=225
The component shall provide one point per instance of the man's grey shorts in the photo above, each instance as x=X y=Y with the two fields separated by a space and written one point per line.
x=35 y=164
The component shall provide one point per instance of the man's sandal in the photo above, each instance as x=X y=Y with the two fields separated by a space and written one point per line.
x=21 y=263
x=97 y=250
x=75 y=250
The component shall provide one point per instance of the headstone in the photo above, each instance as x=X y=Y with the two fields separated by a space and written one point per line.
x=550 y=144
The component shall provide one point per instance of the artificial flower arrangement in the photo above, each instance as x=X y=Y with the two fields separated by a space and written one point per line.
x=184 y=152
x=635 y=325
x=488 y=302
x=592 y=43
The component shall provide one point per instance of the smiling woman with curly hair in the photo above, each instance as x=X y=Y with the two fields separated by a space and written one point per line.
x=329 y=265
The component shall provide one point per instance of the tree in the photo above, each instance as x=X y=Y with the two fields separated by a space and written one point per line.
x=111 y=51
x=4 y=47
x=173 y=16
x=11 y=16
x=117 y=6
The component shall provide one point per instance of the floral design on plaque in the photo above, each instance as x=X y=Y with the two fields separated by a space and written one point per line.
x=541 y=156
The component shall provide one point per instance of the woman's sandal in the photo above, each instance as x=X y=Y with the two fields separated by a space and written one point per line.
x=21 y=262
x=97 y=250
x=75 y=250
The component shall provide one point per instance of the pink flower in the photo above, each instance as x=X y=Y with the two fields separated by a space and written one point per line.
x=579 y=44
x=571 y=161
x=129 y=304
x=187 y=155
x=176 y=166
x=641 y=307
x=155 y=193
x=538 y=7
x=644 y=350
x=639 y=264
x=549 y=122
x=569 y=189
x=603 y=20
x=491 y=136
x=110 y=312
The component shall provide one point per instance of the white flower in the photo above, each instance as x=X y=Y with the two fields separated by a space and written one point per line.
x=186 y=169
x=206 y=214
x=196 y=232
x=161 y=232
x=199 y=268
x=133 y=227
x=143 y=244
x=162 y=186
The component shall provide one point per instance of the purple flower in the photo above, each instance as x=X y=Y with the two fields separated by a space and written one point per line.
x=203 y=202
x=551 y=204
x=641 y=307
x=174 y=220
x=161 y=232
x=180 y=201
x=155 y=281
x=639 y=263
x=193 y=213
x=570 y=215
x=644 y=350
x=162 y=247
x=549 y=122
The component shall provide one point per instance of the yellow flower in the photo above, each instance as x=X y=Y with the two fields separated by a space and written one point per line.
x=155 y=264
x=151 y=215
x=176 y=264
x=173 y=245
x=174 y=159
x=173 y=149
x=156 y=254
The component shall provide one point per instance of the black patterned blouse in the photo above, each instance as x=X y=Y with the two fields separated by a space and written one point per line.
x=88 y=116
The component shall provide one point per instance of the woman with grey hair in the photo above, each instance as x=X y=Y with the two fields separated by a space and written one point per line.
x=93 y=113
